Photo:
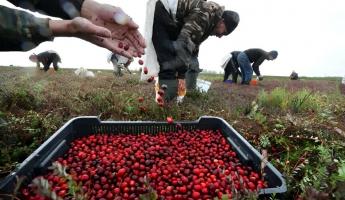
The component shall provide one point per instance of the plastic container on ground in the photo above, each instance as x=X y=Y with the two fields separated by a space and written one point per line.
x=254 y=82
x=78 y=127
x=228 y=81
x=203 y=85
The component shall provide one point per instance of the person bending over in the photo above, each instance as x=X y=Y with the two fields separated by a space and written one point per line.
x=46 y=58
x=179 y=27
x=250 y=60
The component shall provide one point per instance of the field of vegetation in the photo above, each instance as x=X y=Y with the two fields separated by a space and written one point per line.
x=300 y=123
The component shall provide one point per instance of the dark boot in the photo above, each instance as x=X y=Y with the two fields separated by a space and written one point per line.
x=171 y=90
x=191 y=79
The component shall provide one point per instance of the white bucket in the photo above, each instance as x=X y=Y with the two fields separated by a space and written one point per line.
x=203 y=85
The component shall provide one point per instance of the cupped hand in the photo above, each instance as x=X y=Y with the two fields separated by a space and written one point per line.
x=125 y=37
x=84 y=29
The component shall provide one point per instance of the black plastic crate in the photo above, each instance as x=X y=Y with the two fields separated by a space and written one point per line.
x=77 y=127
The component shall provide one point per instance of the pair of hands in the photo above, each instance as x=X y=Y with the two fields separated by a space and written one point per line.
x=104 y=25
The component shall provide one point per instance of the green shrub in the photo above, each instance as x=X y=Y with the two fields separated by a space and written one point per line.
x=302 y=101
x=275 y=100
x=133 y=81
x=296 y=102
x=19 y=97
x=196 y=95
x=101 y=101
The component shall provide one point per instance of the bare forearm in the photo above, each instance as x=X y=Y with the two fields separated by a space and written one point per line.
x=60 y=27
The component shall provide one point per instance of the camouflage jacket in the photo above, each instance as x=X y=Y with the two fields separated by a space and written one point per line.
x=22 y=31
x=198 y=18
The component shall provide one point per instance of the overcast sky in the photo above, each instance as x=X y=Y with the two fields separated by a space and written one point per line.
x=308 y=34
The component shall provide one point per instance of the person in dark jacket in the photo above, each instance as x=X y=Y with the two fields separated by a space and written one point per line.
x=101 y=24
x=250 y=60
x=46 y=58
x=179 y=27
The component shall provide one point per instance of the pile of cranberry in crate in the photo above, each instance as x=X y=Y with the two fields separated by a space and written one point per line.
x=198 y=164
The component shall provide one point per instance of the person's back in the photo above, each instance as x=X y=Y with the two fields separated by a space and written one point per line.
x=255 y=54
x=234 y=56
x=47 y=58
x=257 y=57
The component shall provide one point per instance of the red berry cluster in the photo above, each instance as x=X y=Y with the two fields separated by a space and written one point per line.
x=197 y=164
x=124 y=46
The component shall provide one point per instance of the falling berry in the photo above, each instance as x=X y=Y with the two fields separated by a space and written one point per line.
x=141 y=62
x=141 y=99
x=161 y=92
x=146 y=70
x=159 y=99
x=161 y=104
x=150 y=79
x=179 y=126
x=170 y=120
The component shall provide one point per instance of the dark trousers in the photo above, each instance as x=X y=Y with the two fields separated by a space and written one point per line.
x=246 y=68
x=231 y=69
x=48 y=63
x=165 y=32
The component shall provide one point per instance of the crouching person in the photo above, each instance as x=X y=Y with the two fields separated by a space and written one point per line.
x=294 y=75
x=46 y=58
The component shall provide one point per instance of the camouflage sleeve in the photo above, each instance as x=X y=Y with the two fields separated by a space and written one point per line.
x=66 y=9
x=201 y=20
x=20 y=30
x=195 y=26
